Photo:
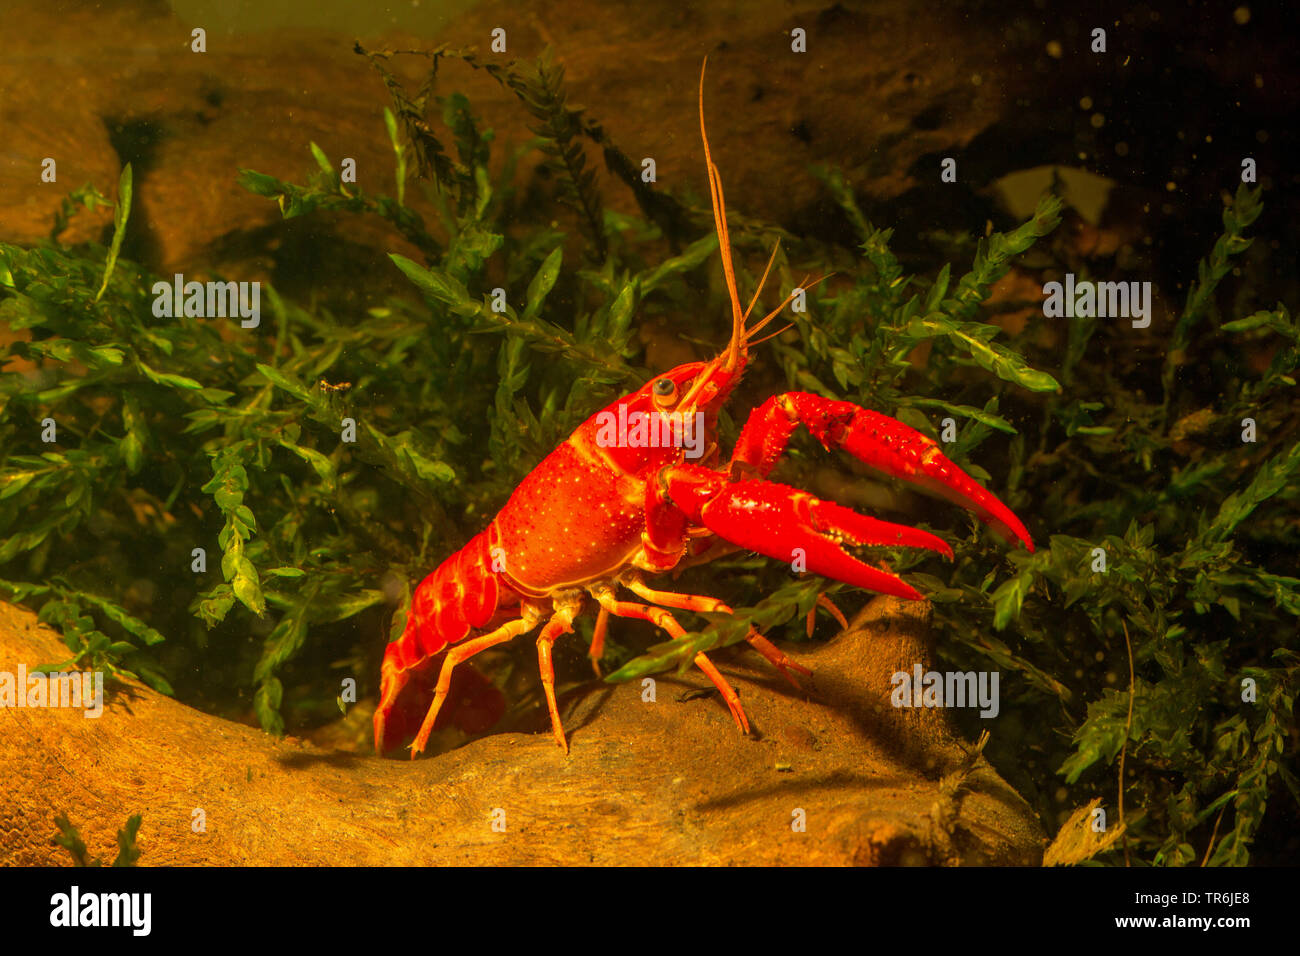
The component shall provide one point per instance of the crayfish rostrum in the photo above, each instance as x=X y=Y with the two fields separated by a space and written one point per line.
x=598 y=515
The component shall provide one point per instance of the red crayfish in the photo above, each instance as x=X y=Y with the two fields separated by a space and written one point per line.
x=605 y=508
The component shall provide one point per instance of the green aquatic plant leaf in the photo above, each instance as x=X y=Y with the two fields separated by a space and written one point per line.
x=128 y=852
x=983 y=416
x=70 y=839
x=994 y=256
x=121 y=213
x=974 y=339
x=228 y=486
x=1238 y=216
x=1272 y=477
x=541 y=90
x=543 y=283
x=399 y=154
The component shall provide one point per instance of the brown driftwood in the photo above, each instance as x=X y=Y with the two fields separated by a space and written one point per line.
x=670 y=782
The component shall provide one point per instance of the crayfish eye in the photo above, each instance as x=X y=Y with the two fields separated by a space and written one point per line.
x=665 y=391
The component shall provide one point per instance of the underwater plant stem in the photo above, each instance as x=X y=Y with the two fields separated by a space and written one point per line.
x=1128 y=729
x=1214 y=835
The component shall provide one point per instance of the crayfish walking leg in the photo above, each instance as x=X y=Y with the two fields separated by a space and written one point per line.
x=458 y=653
x=560 y=623
x=697 y=602
x=661 y=618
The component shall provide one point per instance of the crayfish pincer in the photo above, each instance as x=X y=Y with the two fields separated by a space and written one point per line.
x=614 y=503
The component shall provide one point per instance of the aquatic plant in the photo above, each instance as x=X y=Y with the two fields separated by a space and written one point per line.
x=330 y=461
x=128 y=853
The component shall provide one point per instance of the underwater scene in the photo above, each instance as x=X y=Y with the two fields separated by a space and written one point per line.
x=608 y=433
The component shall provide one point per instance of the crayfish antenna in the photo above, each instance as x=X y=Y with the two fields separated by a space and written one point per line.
x=761 y=282
x=736 y=349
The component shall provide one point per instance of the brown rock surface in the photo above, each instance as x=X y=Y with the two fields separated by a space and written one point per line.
x=663 y=783
x=94 y=86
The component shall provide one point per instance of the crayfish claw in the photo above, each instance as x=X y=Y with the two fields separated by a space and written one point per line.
x=791 y=525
